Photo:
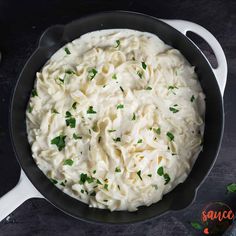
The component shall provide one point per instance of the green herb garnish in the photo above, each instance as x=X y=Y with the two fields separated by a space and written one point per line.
x=82 y=191
x=71 y=122
x=196 y=225
x=114 y=76
x=111 y=130
x=94 y=172
x=120 y=106
x=34 y=93
x=67 y=51
x=75 y=136
x=231 y=188
x=192 y=98
x=140 y=141
x=99 y=139
x=117 y=139
x=59 y=141
x=93 y=194
x=150 y=175
x=144 y=65
x=170 y=136
x=68 y=162
x=172 y=87
x=158 y=130
x=160 y=171
x=139 y=174
x=91 y=111
x=54 y=181
x=91 y=73
x=117 y=43
x=134 y=117
x=106 y=186
x=74 y=105
x=55 y=111
x=121 y=89
x=69 y=72
x=167 y=178
x=173 y=109
x=117 y=169
x=140 y=74
x=30 y=109
x=149 y=88
x=99 y=182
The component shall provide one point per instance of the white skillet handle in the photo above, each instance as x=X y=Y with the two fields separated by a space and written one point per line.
x=15 y=197
x=221 y=71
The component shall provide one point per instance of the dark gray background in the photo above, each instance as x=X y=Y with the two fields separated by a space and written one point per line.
x=21 y=24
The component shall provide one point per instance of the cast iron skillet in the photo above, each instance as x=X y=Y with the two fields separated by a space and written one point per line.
x=54 y=38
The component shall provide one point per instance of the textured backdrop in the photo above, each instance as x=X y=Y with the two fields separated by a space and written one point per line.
x=21 y=24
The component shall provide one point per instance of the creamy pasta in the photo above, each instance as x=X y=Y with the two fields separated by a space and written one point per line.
x=116 y=119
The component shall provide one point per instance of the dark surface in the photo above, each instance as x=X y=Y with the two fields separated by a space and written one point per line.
x=21 y=25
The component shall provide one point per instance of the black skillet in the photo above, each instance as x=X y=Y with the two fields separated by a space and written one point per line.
x=54 y=38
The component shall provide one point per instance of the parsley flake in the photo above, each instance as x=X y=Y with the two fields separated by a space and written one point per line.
x=196 y=225
x=106 y=186
x=140 y=74
x=144 y=65
x=91 y=111
x=192 y=98
x=170 y=136
x=74 y=105
x=117 y=43
x=139 y=174
x=34 y=93
x=75 y=136
x=121 y=89
x=92 y=73
x=231 y=188
x=111 y=130
x=120 y=106
x=67 y=51
x=158 y=130
x=59 y=141
x=114 y=76
x=149 y=88
x=118 y=139
x=160 y=171
x=134 y=117
x=140 y=141
x=54 y=181
x=174 y=110
x=117 y=169
x=167 y=178
x=68 y=162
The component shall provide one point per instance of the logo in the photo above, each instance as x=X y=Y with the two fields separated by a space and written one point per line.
x=216 y=218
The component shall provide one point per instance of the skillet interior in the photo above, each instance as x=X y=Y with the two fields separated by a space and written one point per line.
x=54 y=38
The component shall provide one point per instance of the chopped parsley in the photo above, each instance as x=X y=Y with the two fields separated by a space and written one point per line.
x=117 y=169
x=106 y=186
x=93 y=194
x=160 y=171
x=82 y=191
x=55 y=111
x=121 y=89
x=170 y=136
x=90 y=110
x=134 y=117
x=120 y=106
x=117 y=43
x=99 y=139
x=99 y=182
x=84 y=178
x=231 y=188
x=111 y=130
x=149 y=88
x=174 y=110
x=114 y=76
x=158 y=130
x=172 y=87
x=196 y=225
x=167 y=178
x=74 y=105
x=75 y=136
x=59 y=141
x=144 y=65
x=105 y=200
x=69 y=72
x=92 y=73
x=30 y=109
x=140 y=74
x=71 y=122
x=68 y=162
x=140 y=141
x=150 y=175
x=34 y=93
x=139 y=174
x=67 y=51
x=62 y=184
x=118 y=139
x=94 y=172
x=192 y=98
x=54 y=181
